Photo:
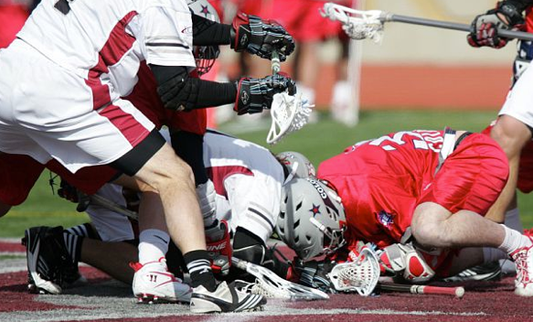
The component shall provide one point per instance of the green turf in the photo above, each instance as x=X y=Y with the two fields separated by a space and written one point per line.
x=318 y=141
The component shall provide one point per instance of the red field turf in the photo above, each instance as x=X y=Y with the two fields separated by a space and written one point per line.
x=107 y=300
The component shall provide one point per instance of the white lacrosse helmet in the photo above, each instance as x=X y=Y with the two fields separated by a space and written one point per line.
x=205 y=55
x=297 y=163
x=312 y=220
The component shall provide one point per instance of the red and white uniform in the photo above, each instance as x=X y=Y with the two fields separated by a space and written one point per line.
x=247 y=179
x=382 y=181
x=63 y=79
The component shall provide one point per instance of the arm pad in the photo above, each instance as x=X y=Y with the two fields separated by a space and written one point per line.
x=180 y=92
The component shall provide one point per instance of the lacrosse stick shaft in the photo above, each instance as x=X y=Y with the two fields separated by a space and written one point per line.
x=275 y=64
x=424 y=289
x=454 y=26
x=110 y=205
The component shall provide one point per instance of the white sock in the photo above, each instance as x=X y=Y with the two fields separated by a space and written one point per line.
x=513 y=240
x=153 y=244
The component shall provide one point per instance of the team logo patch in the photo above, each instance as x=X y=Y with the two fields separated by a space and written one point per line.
x=315 y=210
x=385 y=218
x=245 y=97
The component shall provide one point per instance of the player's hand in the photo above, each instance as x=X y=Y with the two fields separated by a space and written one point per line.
x=256 y=94
x=219 y=247
x=260 y=37
x=484 y=28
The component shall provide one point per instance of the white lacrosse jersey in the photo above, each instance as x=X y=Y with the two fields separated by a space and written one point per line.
x=248 y=181
x=105 y=41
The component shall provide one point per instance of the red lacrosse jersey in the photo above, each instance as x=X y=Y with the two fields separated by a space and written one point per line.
x=382 y=181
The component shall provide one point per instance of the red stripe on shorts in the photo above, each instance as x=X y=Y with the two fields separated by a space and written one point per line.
x=125 y=122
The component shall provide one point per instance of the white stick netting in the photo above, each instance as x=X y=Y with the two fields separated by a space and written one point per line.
x=359 y=276
x=357 y=24
x=289 y=114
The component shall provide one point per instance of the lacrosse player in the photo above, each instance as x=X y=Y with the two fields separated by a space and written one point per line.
x=248 y=182
x=67 y=103
x=419 y=195
x=515 y=123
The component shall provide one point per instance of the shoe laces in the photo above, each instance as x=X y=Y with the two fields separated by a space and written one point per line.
x=521 y=259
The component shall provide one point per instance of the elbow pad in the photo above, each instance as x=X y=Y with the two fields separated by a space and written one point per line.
x=179 y=93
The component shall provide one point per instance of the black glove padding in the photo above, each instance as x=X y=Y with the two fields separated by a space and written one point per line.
x=484 y=28
x=313 y=274
x=260 y=37
x=256 y=94
x=68 y=191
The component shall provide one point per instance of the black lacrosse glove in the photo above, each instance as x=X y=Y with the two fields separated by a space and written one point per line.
x=256 y=94
x=260 y=37
x=68 y=191
x=484 y=28
x=313 y=274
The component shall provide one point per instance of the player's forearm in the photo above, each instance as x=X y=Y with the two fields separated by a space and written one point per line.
x=178 y=89
x=207 y=32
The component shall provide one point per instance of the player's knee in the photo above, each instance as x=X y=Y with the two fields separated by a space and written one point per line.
x=426 y=234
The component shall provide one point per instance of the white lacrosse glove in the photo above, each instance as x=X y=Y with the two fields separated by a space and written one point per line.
x=407 y=261
x=206 y=198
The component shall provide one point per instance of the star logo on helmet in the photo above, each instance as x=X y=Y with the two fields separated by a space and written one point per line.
x=315 y=210
x=205 y=10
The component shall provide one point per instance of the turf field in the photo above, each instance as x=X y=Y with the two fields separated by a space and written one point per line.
x=318 y=141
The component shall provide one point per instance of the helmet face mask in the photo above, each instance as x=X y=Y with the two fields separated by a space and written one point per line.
x=312 y=220
x=205 y=56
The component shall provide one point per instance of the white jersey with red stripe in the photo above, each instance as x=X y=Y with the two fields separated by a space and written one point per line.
x=247 y=178
x=63 y=80
x=110 y=38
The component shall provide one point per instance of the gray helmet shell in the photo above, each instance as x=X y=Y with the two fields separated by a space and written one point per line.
x=312 y=219
x=297 y=163
x=205 y=56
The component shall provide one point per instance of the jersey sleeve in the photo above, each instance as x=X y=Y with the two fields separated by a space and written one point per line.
x=166 y=37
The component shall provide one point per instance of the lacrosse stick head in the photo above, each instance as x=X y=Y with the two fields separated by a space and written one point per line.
x=359 y=276
x=311 y=220
x=270 y=285
x=289 y=114
x=357 y=24
x=297 y=163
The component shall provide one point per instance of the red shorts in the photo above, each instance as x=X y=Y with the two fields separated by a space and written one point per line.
x=18 y=174
x=525 y=170
x=471 y=178
x=301 y=18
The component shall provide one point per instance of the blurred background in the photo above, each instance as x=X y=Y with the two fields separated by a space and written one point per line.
x=417 y=77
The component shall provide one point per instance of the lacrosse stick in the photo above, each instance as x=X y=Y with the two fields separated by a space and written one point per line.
x=359 y=24
x=271 y=285
x=458 y=292
x=289 y=113
x=86 y=200
x=361 y=275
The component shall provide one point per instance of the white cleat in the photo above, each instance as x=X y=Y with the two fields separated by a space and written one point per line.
x=523 y=258
x=224 y=299
x=153 y=283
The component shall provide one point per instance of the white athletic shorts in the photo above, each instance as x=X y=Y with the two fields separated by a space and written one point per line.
x=519 y=102
x=111 y=226
x=48 y=112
